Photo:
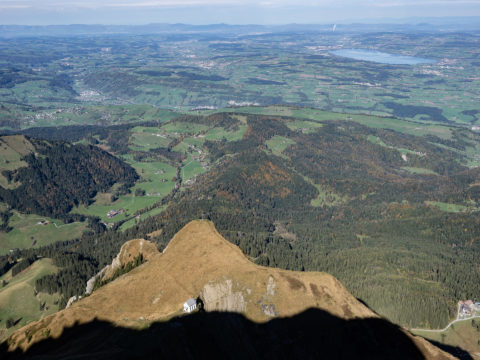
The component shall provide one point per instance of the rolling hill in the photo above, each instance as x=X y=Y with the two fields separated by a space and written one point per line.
x=19 y=300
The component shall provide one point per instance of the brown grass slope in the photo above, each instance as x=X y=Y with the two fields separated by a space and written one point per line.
x=200 y=262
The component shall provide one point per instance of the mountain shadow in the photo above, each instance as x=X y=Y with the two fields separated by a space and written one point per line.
x=313 y=334
x=454 y=350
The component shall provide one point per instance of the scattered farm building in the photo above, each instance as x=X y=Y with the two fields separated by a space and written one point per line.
x=190 y=305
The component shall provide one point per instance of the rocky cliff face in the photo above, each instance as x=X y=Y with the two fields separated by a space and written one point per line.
x=232 y=296
x=199 y=262
x=221 y=296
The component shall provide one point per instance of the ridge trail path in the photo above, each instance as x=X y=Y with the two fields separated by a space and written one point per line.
x=450 y=324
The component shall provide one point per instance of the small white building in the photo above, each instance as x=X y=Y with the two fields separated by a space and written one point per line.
x=190 y=305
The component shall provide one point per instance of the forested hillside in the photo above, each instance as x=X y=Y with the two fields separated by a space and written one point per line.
x=393 y=216
x=375 y=227
x=59 y=176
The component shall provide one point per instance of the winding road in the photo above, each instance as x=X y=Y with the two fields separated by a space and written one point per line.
x=450 y=324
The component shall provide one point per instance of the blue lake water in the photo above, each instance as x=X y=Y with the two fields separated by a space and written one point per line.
x=380 y=57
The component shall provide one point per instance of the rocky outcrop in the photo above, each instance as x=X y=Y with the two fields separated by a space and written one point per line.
x=93 y=279
x=72 y=300
x=220 y=296
x=128 y=253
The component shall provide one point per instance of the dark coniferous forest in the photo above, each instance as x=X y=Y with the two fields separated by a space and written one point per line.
x=60 y=176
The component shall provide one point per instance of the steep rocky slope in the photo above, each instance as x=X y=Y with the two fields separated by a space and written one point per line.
x=199 y=262
x=127 y=254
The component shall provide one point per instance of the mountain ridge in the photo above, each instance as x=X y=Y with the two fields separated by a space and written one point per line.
x=198 y=261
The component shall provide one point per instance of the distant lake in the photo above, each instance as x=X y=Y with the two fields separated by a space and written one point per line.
x=380 y=57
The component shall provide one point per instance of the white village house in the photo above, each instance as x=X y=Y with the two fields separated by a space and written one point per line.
x=190 y=305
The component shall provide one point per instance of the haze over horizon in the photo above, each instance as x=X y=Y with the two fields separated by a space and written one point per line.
x=200 y=12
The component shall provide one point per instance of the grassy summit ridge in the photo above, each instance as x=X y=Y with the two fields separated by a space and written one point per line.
x=199 y=261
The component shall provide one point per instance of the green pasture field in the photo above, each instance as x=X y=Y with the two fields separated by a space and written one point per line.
x=277 y=110
x=378 y=141
x=153 y=175
x=202 y=133
x=146 y=141
x=169 y=96
x=403 y=126
x=194 y=141
x=461 y=334
x=184 y=128
x=146 y=129
x=218 y=133
x=37 y=92
x=327 y=197
x=447 y=207
x=278 y=144
x=191 y=168
x=126 y=203
x=26 y=231
x=12 y=149
x=18 y=300
x=181 y=147
x=156 y=180
x=306 y=127
x=473 y=155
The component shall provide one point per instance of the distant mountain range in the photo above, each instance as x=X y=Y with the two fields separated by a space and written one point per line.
x=397 y=25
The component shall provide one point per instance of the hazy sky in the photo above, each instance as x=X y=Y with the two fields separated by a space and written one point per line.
x=225 y=11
